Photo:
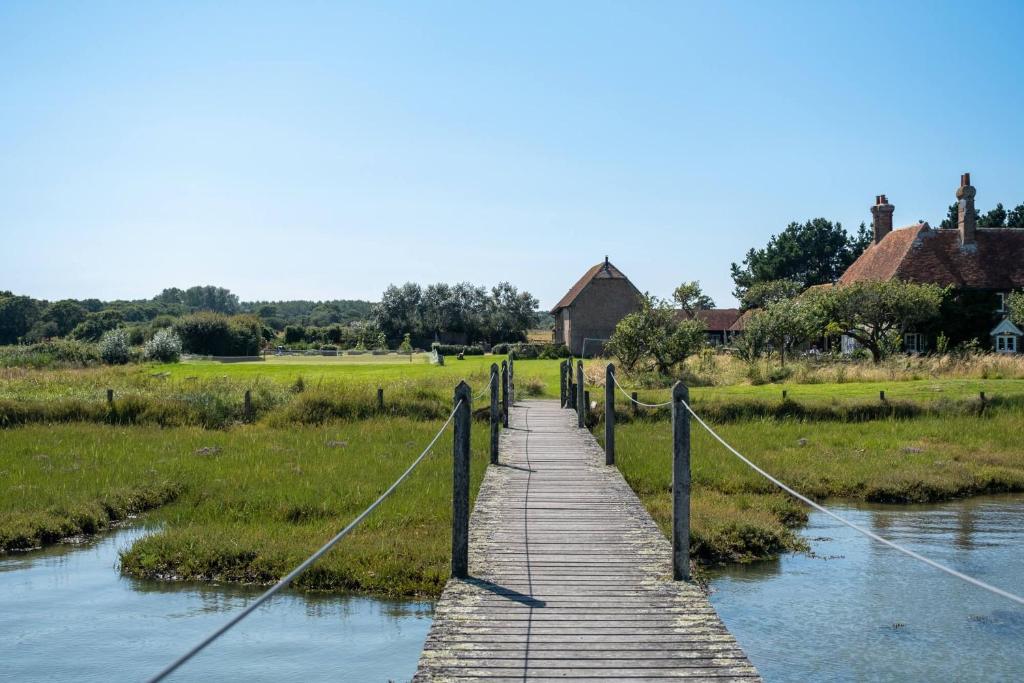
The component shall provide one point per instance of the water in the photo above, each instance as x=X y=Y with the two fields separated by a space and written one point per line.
x=66 y=614
x=857 y=611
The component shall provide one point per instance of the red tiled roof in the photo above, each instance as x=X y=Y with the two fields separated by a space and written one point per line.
x=741 y=322
x=715 y=319
x=921 y=254
x=601 y=270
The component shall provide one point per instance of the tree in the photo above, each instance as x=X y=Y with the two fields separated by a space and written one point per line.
x=784 y=324
x=653 y=337
x=996 y=218
x=812 y=253
x=872 y=312
x=114 y=347
x=96 y=325
x=1015 y=218
x=691 y=298
x=17 y=316
x=65 y=315
x=1015 y=304
x=761 y=294
x=510 y=313
x=399 y=310
x=952 y=219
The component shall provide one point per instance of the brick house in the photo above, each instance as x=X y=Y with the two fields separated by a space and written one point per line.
x=983 y=265
x=586 y=316
x=588 y=313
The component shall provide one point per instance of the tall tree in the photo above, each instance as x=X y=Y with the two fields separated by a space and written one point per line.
x=691 y=298
x=811 y=253
x=1015 y=218
x=996 y=218
x=874 y=313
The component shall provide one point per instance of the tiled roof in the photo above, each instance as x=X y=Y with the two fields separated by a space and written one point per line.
x=920 y=254
x=603 y=270
x=741 y=322
x=715 y=319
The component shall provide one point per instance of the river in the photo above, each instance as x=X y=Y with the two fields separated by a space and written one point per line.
x=854 y=610
x=849 y=611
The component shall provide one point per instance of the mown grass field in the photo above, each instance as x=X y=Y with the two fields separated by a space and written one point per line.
x=246 y=504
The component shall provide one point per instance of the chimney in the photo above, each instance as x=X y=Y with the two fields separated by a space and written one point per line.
x=965 y=211
x=881 y=217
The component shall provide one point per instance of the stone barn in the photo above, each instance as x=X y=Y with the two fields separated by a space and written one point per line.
x=588 y=313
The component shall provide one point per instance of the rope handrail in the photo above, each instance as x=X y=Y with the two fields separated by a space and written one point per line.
x=866 y=532
x=486 y=387
x=250 y=608
x=640 y=403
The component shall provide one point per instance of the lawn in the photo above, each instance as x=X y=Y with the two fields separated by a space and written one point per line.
x=245 y=504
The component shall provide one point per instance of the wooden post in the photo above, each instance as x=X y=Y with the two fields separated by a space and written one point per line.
x=609 y=415
x=561 y=383
x=504 y=394
x=511 y=377
x=586 y=405
x=248 y=405
x=636 y=406
x=494 y=413
x=881 y=395
x=680 y=483
x=581 y=394
x=570 y=387
x=460 y=481
x=110 y=397
x=380 y=398
x=983 y=397
x=783 y=394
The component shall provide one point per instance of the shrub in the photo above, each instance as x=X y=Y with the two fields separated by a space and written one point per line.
x=524 y=351
x=456 y=349
x=55 y=353
x=501 y=349
x=114 y=347
x=215 y=334
x=165 y=347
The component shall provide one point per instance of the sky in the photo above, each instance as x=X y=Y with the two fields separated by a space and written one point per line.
x=316 y=150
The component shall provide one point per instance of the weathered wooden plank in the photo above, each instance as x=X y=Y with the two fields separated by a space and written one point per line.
x=569 y=577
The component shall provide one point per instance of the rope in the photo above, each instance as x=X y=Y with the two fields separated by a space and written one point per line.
x=249 y=609
x=639 y=403
x=486 y=388
x=870 y=534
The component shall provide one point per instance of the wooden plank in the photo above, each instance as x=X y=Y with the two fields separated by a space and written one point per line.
x=569 y=577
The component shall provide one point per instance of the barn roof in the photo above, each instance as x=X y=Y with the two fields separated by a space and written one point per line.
x=715 y=319
x=602 y=271
x=995 y=260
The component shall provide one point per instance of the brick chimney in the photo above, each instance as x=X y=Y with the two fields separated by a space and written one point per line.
x=881 y=217
x=965 y=211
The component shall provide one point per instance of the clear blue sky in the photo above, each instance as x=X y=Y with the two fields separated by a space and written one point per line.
x=321 y=150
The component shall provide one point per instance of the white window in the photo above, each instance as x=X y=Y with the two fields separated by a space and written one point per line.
x=913 y=342
x=1006 y=343
x=1002 y=302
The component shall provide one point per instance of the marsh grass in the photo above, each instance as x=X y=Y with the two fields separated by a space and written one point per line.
x=738 y=515
x=245 y=504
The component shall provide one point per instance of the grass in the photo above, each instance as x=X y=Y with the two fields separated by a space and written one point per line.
x=210 y=394
x=246 y=504
x=739 y=516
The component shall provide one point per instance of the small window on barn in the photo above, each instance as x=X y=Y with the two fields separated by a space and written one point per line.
x=913 y=342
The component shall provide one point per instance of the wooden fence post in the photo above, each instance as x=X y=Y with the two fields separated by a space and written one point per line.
x=561 y=383
x=504 y=394
x=570 y=387
x=248 y=405
x=460 y=481
x=494 y=413
x=586 y=405
x=380 y=398
x=680 y=483
x=881 y=395
x=609 y=415
x=511 y=377
x=636 y=406
x=581 y=394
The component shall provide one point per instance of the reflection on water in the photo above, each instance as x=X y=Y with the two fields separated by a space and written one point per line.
x=855 y=610
x=67 y=614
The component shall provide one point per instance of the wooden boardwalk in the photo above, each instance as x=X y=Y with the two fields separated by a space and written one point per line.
x=570 y=576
